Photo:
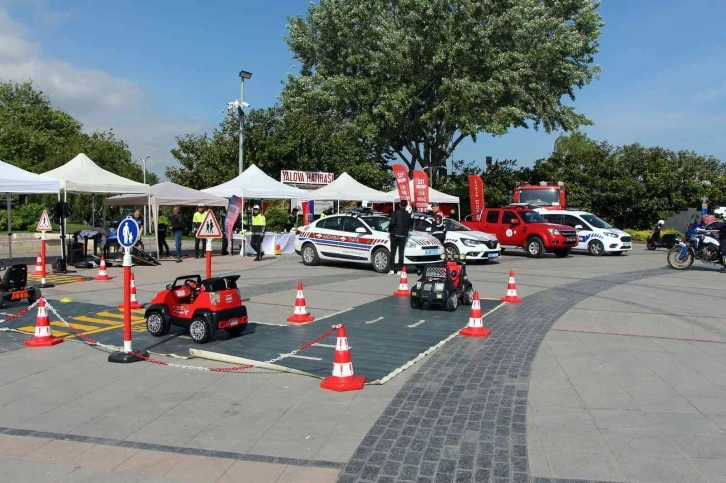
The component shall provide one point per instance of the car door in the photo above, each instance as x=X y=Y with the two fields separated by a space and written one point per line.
x=326 y=234
x=354 y=240
x=584 y=233
x=510 y=231
x=490 y=222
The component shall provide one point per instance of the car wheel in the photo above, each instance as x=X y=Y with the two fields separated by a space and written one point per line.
x=468 y=297
x=451 y=249
x=452 y=302
x=562 y=253
x=415 y=303
x=310 y=255
x=535 y=247
x=157 y=324
x=382 y=260
x=595 y=248
x=236 y=331
x=200 y=330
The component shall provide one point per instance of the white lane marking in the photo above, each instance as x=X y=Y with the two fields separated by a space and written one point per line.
x=306 y=357
x=334 y=314
x=416 y=324
x=374 y=320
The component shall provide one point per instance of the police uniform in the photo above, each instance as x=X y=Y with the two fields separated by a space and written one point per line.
x=258 y=232
x=197 y=220
x=439 y=228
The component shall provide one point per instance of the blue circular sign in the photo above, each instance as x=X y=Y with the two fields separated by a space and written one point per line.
x=128 y=233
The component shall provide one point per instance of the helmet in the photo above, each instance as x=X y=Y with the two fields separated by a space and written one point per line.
x=720 y=211
x=660 y=222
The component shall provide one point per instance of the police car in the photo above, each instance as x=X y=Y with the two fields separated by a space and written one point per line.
x=361 y=238
x=594 y=235
x=460 y=239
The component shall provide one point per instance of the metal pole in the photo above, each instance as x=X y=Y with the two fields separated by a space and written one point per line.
x=242 y=126
x=146 y=219
x=10 y=230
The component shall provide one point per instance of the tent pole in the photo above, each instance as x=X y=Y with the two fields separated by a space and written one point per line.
x=458 y=211
x=10 y=231
x=93 y=210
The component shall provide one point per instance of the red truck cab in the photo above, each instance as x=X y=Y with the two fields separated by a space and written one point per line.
x=550 y=196
x=521 y=227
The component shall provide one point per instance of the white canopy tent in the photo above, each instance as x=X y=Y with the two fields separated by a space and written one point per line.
x=253 y=183
x=434 y=196
x=166 y=194
x=18 y=181
x=346 y=188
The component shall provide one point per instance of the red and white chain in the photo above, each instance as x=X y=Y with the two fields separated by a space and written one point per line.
x=21 y=313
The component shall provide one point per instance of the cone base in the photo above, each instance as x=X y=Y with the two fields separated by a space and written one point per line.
x=475 y=332
x=43 y=341
x=301 y=319
x=340 y=384
x=121 y=357
x=134 y=305
x=402 y=293
x=102 y=278
x=45 y=285
x=512 y=300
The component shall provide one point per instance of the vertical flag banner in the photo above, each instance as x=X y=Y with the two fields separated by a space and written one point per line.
x=308 y=212
x=476 y=193
x=421 y=190
x=401 y=174
x=234 y=210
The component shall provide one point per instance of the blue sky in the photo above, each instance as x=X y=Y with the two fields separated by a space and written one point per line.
x=152 y=70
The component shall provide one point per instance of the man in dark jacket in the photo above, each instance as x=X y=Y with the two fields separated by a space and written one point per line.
x=177 y=226
x=398 y=230
x=439 y=228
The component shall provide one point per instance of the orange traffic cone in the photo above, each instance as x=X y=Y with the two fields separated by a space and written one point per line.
x=343 y=378
x=475 y=328
x=300 y=315
x=134 y=303
x=102 y=275
x=38 y=266
x=403 y=290
x=43 y=334
x=511 y=296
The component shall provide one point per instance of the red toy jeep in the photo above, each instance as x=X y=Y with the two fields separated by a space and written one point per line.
x=202 y=306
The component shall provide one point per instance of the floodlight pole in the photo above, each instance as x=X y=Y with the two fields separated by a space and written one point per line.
x=242 y=76
x=146 y=219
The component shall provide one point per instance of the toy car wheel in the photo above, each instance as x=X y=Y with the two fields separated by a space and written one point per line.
x=595 y=248
x=310 y=255
x=200 y=330
x=452 y=302
x=381 y=260
x=236 y=331
x=468 y=297
x=157 y=324
x=33 y=295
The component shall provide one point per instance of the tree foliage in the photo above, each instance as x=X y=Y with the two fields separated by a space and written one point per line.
x=419 y=76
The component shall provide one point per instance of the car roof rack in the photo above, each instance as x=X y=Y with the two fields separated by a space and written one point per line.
x=522 y=206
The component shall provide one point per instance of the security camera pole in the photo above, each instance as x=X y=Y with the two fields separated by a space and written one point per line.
x=242 y=76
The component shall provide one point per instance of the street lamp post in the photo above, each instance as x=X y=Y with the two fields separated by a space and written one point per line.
x=146 y=219
x=242 y=76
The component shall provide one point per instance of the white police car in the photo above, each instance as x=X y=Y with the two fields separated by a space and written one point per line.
x=361 y=238
x=594 y=235
x=476 y=245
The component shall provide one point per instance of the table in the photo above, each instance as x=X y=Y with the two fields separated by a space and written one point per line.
x=285 y=240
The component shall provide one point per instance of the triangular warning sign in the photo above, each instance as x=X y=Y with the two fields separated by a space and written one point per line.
x=44 y=223
x=209 y=227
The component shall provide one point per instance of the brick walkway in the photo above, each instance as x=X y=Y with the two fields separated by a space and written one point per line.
x=462 y=416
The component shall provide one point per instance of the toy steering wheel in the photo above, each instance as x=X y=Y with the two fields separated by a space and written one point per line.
x=191 y=285
x=454 y=273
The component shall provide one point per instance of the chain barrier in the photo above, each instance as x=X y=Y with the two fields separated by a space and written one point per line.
x=95 y=343
x=21 y=313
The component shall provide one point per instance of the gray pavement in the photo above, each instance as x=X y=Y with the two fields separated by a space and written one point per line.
x=611 y=370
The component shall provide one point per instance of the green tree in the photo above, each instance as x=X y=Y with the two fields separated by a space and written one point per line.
x=420 y=76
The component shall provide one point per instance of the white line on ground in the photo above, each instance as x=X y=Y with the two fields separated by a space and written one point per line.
x=329 y=346
x=306 y=357
x=416 y=324
x=374 y=320
x=334 y=314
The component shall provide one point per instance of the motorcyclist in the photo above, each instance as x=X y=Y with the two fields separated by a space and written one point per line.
x=655 y=236
x=720 y=226
x=439 y=228
x=699 y=222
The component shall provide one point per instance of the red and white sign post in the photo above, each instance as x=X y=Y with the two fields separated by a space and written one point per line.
x=43 y=227
x=209 y=230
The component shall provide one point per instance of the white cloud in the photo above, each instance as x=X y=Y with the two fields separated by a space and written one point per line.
x=96 y=98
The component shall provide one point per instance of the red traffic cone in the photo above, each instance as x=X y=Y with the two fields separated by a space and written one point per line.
x=511 y=296
x=343 y=378
x=300 y=315
x=403 y=290
x=38 y=266
x=102 y=275
x=43 y=335
x=475 y=328
x=134 y=303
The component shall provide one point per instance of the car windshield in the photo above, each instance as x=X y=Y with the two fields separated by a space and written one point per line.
x=544 y=196
x=596 y=222
x=377 y=223
x=532 y=217
x=453 y=225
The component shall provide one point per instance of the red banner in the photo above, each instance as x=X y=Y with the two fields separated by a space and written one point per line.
x=401 y=174
x=476 y=193
x=421 y=190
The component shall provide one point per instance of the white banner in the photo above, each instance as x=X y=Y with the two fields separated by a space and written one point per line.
x=306 y=177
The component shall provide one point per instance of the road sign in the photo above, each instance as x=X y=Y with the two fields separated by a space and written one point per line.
x=128 y=233
x=209 y=227
x=44 y=223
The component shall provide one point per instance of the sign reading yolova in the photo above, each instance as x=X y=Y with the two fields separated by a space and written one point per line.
x=306 y=177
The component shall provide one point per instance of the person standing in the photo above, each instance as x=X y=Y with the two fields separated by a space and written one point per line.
x=196 y=223
x=161 y=233
x=439 y=228
x=398 y=229
x=177 y=226
x=258 y=231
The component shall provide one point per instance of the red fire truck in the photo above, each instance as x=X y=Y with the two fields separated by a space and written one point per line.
x=548 y=195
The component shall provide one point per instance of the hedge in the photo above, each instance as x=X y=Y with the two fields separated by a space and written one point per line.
x=642 y=235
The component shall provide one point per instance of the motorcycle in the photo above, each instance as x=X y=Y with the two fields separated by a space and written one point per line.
x=656 y=240
x=701 y=246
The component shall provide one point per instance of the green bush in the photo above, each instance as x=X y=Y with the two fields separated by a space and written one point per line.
x=642 y=235
x=276 y=219
x=24 y=217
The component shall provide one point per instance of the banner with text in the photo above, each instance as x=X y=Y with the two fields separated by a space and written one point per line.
x=306 y=177
x=234 y=210
x=476 y=193
x=421 y=190
x=401 y=174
